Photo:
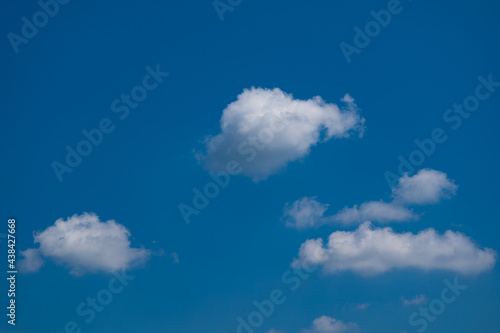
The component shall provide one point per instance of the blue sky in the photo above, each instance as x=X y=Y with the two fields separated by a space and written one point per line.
x=336 y=152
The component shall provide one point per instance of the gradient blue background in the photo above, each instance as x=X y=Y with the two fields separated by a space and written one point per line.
x=236 y=250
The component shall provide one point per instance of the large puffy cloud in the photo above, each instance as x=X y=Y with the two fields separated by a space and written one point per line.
x=426 y=187
x=370 y=251
x=265 y=129
x=86 y=245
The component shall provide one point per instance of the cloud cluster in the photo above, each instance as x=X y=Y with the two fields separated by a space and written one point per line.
x=265 y=129
x=369 y=251
x=84 y=244
x=426 y=187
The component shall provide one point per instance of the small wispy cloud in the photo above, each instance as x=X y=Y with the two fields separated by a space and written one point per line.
x=416 y=300
x=272 y=330
x=175 y=257
x=31 y=261
x=362 y=306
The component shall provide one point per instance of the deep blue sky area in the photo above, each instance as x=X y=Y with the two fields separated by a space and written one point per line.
x=64 y=79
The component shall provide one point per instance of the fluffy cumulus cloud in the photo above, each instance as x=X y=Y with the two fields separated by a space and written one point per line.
x=370 y=251
x=265 y=129
x=326 y=324
x=426 y=187
x=85 y=244
x=304 y=213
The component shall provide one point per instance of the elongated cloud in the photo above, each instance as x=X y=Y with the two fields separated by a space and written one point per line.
x=265 y=129
x=378 y=211
x=370 y=251
x=86 y=245
x=426 y=187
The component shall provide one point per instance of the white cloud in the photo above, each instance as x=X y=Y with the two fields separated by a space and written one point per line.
x=86 y=245
x=362 y=306
x=265 y=129
x=426 y=187
x=272 y=330
x=326 y=324
x=374 y=211
x=370 y=251
x=417 y=300
x=304 y=213
x=31 y=262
